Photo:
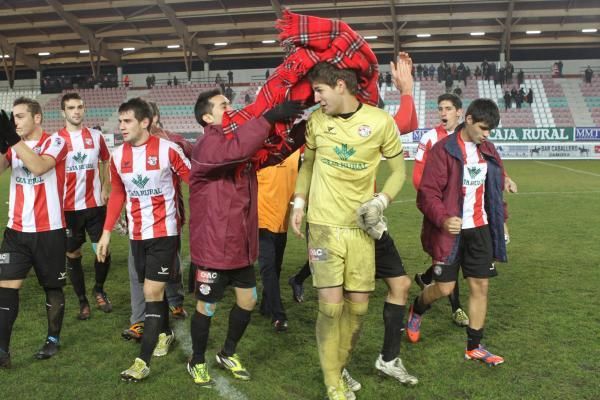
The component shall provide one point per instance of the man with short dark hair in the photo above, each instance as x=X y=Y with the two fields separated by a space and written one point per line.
x=35 y=233
x=143 y=172
x=224 y=223
x=86 y=192
x=345 y=142
x=460 y=196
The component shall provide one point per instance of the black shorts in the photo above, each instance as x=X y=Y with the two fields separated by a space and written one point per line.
x=475 y=257
x=45 y=251
x=156 y=259
x=211 y=283
x=79 y=222
x=388 y=263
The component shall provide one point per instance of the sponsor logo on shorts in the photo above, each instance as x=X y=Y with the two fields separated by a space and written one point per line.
x=69 y=232
x=206 y=276
x=62 y=276
x=437 y=270
x=492 y=267
x=317 y=254
x=204 y=289
x=163 y=271
x=4 y=258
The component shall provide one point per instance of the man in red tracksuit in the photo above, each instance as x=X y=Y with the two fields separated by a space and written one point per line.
x=224 y=222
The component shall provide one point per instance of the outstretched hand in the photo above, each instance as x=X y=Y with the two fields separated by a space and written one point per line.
x=402 y=73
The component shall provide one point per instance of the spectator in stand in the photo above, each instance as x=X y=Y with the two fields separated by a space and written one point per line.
x=477 y=72
x=588 y=73
x=247 y=99
x=175 y=81
x=502 y=76
x=388 y=79
x=520 y=77
x=510 y=70
x=529 y=97
x=454 y=71
x=507 y=100
x=229 y=93
x=230 y=78
x=441 y=72
x=218 y=79
x=380 y=81
x=560 y=68
x=519 y=97
x=485 y=70
x=126 y=81
x=449 y=83
x=148 y=81
x=497 y=77
x=492 y=71
x=513 y=93
x=267 y=74
x=419 y=72
x=460 y=72
x=425 y=72
x=153 y=80
x=431 y=71
x=555 y=70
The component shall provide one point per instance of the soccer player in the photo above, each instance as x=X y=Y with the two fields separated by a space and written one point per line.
x=388 y=263
x=35 y=233
x=460 y=196
x=344 y=144
x=173 y=289
x=143 y=172
x=86 y=192
x=450 y=112
x=224 y=223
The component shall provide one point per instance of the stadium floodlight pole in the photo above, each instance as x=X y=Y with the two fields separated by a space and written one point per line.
x=277 y=8
x=17 y=54
x=505 y=44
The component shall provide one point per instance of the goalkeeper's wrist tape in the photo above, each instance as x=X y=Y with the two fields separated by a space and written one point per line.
x=383 y=198
x=299 y=202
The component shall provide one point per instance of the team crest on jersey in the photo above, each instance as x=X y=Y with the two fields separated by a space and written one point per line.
x=152 y=160
x=88 y=142
x=37 y=149
x=364 y=130
x=58 y=141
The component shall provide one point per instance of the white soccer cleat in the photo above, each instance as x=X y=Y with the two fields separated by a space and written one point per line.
x=352 y=383
x=396 y=370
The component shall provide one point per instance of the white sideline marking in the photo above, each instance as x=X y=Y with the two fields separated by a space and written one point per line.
x=578 y=171
x=222 y=385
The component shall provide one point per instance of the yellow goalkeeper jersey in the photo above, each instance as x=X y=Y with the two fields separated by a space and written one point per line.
x=347 y=153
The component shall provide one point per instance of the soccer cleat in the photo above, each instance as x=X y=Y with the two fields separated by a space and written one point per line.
x=335 y=393
x=280 y=325
x=135 y=332
x=419 y=281
x=396 y=369
x=297 y=290
x=102 y=301
x=413 y=326
x=178 y=312
x=84 y=311
x=482 y=354
x=4 y=359
x=162 y=346
x=350 y=382
x=200 y=374
x=49 y=349
x=138 y=371
x=460 y=317
x=234 y=365
x=343 y=387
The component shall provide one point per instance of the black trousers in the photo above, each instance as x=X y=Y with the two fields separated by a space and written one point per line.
x=271 y=247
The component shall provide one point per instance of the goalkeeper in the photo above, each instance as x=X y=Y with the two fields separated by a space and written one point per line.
x=345 y=140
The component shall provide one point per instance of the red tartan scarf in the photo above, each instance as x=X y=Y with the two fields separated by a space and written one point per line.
x=308 y=40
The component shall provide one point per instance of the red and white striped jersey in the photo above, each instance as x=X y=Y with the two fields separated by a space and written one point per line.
x=427 y=141
x=36 y=202
x=146 y=176
x=474 y=174
x=82 y=187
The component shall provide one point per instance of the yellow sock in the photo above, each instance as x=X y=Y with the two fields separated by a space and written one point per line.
x=328 y=333
x=350 y=323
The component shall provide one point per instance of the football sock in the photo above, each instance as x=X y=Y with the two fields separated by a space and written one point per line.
x=152 y=324
x=350 y=323
x=200 y=327
x=328 y=337
x=473 y=338
x=9 y=308
x=55 y=308
x=454 y=298
x=393 y=322
x=101 y=273
x=75 y=271
x=419 y=307
x=165 y=328
x=238 y=321
x=302 y=274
